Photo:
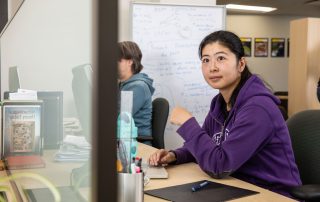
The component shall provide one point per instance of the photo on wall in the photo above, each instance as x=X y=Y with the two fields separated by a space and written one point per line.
x=247 y=44
x=261 y=47
x=277 y=47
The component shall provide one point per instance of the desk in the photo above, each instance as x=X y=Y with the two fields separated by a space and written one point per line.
x=58 y=173
x=190 y=172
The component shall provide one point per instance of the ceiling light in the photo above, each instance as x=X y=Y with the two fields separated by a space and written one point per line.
x=250 y=8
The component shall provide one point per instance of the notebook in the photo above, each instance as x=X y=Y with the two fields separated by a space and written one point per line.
x=155 y=172
x=22 y=162
x=213 y=192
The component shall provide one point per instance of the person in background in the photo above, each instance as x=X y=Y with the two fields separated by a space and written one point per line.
x=131 y=79
x=244 y=134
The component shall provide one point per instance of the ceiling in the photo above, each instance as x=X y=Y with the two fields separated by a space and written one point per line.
x=306 y=8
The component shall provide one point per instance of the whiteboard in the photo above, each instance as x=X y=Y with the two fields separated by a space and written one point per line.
x=169 y=36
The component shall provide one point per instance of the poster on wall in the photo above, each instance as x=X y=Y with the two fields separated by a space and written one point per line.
x=277 y=47
x=246 y=43
x=288 y=47
x=261 y=47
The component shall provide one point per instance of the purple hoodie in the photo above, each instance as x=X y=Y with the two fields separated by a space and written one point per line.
x=253 y=144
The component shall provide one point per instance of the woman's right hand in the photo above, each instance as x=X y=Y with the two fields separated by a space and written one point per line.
x=161 y=157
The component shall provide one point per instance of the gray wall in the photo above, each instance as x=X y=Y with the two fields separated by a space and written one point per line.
x=46 y=40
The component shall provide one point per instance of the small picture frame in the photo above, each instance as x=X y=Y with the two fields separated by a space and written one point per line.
x=261 y=47
x=22 y=128
x=277 y=47
x=247 y=45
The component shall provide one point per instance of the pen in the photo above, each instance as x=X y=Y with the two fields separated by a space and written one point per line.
x=199 y=186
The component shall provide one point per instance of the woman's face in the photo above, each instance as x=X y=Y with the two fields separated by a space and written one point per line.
x=124 y=69
x=220 y=67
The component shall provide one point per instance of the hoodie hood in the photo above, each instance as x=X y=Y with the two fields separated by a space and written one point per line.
x=253 y=87
x=140 y=77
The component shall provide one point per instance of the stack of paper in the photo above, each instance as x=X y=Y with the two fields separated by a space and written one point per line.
x=73 y=149
x=23 y=94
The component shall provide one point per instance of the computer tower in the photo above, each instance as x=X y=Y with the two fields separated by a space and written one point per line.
x=53 y=118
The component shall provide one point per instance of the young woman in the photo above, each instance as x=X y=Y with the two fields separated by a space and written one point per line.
x=129 y=67
x=244 y=134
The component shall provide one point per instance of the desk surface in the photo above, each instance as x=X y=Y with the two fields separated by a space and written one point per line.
x=59 y=174
x=190 y=172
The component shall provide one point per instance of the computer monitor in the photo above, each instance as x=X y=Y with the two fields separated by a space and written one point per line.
x=82 y=94
x=14 y=79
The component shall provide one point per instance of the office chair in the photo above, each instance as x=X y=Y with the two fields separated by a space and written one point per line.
x=160 y=111
x=283 y=112
x=304 y=129
x=283 y=96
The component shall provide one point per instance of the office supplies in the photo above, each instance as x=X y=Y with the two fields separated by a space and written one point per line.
x=199 y=186
x=213 y=192
x=23 y=94
x=130 y=187
x=23 y=162
x=122 y=156
x=133 y=168
x=73 y=149
x=127 y=133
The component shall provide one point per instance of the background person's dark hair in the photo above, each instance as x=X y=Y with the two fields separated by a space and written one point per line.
x=234 y=44
x=129 y=50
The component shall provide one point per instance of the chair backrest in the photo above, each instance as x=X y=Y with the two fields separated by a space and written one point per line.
x=283 y=112
x=304 y=128
x=160 y=111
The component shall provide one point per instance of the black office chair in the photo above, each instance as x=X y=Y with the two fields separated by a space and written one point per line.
x=160 y=111
x=304 y=128
x=283 y=112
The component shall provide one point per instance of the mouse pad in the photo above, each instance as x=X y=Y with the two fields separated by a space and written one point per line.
x=213 y=192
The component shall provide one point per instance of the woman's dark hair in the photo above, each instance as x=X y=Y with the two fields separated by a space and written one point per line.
x=129 y=50
x=234 y=44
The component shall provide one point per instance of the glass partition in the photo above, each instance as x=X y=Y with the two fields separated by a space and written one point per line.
x=46 y=94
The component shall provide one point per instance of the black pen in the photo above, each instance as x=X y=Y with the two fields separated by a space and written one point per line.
x=199 y=186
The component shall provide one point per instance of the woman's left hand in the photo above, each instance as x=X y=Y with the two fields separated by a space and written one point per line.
x=179 y=115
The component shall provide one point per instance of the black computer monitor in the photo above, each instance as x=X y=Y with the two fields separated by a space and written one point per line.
x=82 y=93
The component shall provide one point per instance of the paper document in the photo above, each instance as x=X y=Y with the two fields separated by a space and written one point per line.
x=23 y=94
x=73 y=149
